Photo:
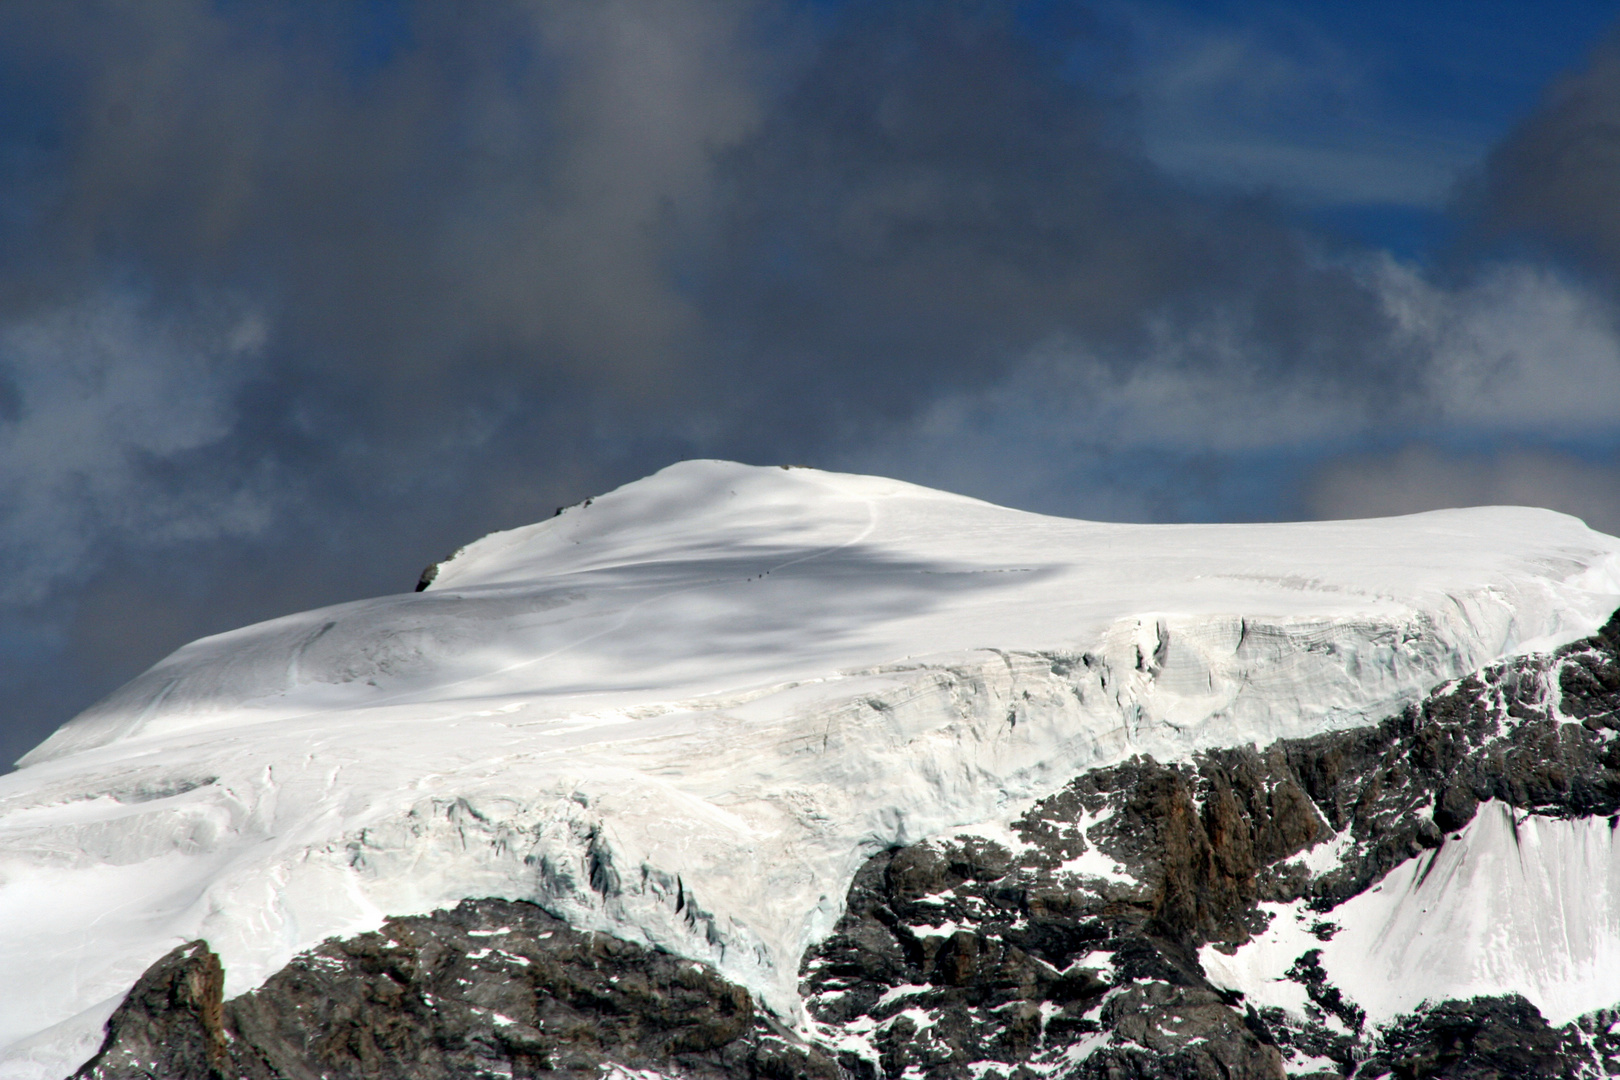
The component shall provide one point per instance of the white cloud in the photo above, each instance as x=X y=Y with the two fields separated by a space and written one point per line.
x=1521 y=350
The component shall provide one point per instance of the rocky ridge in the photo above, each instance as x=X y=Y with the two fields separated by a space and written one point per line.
x=1067 y=945
x=491 y=988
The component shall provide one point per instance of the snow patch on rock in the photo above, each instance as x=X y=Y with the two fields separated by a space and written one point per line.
x=1515 y=903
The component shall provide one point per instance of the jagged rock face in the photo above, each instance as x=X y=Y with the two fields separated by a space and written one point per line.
x=1067 y=946
x=952 y=961
x=1483 y=1039
x=171 y=1025
x=491 y=988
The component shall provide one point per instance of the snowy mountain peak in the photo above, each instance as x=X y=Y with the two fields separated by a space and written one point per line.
x=775 y=574
x=686 y=509
x=686 y=711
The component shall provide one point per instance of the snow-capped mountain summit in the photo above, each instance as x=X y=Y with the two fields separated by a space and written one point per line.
x=711 y=577
x=688 y=711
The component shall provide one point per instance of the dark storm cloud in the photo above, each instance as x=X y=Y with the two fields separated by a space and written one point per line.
x=487 y=239
x=1556 y=179
x=486 y=192
x=433 y=234
x=935 y=197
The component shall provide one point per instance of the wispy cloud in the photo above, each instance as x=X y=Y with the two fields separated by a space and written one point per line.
x=1283 y=108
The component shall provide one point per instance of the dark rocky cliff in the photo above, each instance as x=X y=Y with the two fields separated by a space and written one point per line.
x=968 y=959
x=490 y=988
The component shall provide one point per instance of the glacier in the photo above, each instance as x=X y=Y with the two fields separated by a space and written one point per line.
x=686 y=711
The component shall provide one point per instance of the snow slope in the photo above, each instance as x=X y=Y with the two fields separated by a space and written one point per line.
x=1515 y=903
x=687 y=711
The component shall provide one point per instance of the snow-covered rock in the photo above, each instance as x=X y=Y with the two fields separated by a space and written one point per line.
x=1515 y=903
x=688 y=710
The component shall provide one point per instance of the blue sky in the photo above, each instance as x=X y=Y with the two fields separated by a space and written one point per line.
x=297 y=297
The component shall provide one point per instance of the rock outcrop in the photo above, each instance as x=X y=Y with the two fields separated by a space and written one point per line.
x=171 y=1025
x=490 y=988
